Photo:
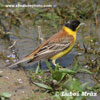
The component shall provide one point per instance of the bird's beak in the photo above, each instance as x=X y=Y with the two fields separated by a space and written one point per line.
x=82 y=24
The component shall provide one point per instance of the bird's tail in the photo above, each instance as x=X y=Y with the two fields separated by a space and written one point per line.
x=20 y=61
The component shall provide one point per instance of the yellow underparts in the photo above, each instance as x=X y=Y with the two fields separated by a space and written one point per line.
x=70 y=32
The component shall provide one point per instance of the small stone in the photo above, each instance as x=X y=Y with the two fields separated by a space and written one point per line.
x=7 y=77
x=20 y=81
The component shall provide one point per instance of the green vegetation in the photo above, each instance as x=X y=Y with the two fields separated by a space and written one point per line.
x=5 y=95
x=61 y=80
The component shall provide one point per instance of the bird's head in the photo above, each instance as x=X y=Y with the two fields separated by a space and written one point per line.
x=73 y=25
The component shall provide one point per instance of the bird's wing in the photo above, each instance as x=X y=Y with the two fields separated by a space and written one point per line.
x=51 y=48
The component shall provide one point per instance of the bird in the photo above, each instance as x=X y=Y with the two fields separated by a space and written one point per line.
x=58 y=45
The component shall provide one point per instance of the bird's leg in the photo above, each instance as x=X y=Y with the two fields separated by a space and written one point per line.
x=39 y=63
x=54 y=62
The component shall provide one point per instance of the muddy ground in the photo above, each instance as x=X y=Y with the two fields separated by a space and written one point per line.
x=18 y=85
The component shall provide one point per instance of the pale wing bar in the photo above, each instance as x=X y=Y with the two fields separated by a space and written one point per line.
x=53 y=47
